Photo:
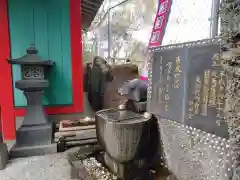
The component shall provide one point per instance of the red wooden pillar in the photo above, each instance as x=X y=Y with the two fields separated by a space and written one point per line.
x=6 y=88
x=76 y=56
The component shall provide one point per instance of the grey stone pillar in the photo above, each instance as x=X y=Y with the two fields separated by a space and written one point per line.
x=35 y=114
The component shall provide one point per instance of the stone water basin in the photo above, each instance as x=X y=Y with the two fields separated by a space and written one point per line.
x=124 y=135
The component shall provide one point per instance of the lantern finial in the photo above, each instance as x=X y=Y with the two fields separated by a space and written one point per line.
x=32 y=50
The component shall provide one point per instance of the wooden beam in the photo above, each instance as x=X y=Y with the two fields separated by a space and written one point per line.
x=89 y=7
x=97 y=5
x=88 y=11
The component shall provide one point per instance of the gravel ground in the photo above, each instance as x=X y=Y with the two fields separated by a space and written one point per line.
x=49 y=167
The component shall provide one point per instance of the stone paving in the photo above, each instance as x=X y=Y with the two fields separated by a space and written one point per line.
x=49 y=167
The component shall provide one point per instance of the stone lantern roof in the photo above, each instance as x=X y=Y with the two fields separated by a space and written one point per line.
x=31 y=58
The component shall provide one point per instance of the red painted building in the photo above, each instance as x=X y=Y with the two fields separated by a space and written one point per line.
x=55 y=27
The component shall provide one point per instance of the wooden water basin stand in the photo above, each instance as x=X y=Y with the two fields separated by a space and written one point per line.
x=76 y=132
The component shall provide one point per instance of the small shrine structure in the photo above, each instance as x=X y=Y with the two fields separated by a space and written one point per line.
x=54 y=27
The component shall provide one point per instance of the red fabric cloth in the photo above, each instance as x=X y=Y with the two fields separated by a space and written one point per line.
x=160 y=23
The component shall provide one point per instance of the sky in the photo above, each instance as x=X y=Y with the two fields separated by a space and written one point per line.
x=188 y=21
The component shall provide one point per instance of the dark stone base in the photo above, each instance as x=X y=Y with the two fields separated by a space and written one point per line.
x=82 y=152
x=75 y=155
x=136 y=170
x=37 y=150
x=78 y=171
x=3 y=156
x=34 y=135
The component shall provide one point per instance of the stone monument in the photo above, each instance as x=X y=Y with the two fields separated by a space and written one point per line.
x=3 y=153
x=187 y=90
x=34 y=137
x=189 y=86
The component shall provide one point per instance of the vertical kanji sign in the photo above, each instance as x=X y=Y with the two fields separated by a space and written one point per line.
x=160 y=23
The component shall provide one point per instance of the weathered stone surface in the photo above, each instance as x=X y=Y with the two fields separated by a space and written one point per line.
x=230 y=59
x=194 y=154
x=236 y=174
x=195 y=142
x=78 y=171
x=81 y=153
x=134 y=170
x=188 y=86
x=102 y=81
x=35 y=150
x=84 y=165
x=125 y=135
x=75 y=157
x=34 y=135
x=209 y=116
x=167 y=101
x=49 y=167
x=120 y=73
x=3 y=155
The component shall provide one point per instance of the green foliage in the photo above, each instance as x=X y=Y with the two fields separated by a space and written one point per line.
x=88 y=47
x=125 y=19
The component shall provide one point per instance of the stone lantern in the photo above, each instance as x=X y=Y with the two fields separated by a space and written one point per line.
x=34 y=137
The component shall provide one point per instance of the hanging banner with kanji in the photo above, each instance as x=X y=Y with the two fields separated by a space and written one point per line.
x=160 y=23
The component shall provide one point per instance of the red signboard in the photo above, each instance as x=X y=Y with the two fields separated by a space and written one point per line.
x=160 y=23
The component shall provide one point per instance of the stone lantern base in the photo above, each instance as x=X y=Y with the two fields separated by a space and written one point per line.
x=35 y=135
x=33 y=141
x=135 y=170
x=3 y=154
x=36 y=150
